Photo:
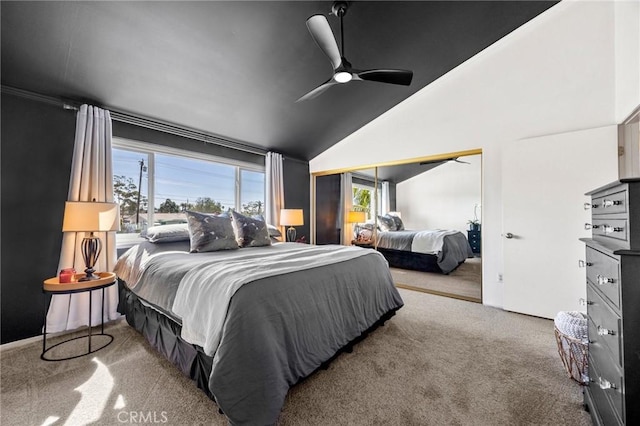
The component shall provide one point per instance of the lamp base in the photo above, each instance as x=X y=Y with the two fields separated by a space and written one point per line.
x=89 y=276
x=291 y=234
x=91 y=248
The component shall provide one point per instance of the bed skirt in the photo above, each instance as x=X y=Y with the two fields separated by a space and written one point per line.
x=409 y=260
x=163 y=333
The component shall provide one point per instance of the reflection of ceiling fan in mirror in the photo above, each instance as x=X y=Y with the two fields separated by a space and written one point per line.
x=444 y=160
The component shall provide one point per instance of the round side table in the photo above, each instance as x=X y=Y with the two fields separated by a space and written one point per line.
x=54 y=286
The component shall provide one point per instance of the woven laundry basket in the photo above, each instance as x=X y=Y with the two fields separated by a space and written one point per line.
x=572 y=338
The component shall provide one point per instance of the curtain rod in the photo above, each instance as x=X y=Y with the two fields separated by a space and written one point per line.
x=141 y=121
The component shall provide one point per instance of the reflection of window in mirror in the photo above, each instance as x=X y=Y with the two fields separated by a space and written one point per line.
x=365 y=198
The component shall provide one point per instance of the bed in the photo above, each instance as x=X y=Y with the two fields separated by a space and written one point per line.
x=428 y=250
x=248 y=324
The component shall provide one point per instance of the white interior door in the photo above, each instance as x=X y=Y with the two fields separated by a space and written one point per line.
x=544 y=181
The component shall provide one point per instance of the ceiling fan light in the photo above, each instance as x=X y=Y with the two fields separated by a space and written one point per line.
x=343 y=77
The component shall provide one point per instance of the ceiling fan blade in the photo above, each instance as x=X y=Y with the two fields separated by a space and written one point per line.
x=323 y=36
x=318 y=90
x=444 y=160
x=424 y=163
x=402 y=77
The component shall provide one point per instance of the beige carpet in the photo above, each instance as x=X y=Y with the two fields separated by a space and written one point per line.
x=439 y=361
x=465 y=282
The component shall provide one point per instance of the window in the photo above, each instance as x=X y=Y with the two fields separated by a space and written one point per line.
x=154 y=185
x=364 y=198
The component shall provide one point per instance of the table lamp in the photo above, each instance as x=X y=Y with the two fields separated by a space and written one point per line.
x=356 y=217
x=90 y=216
x=291 y=218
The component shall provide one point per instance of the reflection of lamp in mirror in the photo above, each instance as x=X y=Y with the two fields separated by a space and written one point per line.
x=291 y=218
x=356 y=218
x=90 y=216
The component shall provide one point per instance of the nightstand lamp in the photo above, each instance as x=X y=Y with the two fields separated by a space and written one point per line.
x=291 y=218
x=356 y=217
x=90 y=216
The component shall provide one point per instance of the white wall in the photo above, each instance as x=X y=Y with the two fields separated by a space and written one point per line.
x=555 y=74
x=627 y=61
x=443 y=197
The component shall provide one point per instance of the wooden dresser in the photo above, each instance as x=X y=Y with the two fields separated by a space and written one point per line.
x=613 y=304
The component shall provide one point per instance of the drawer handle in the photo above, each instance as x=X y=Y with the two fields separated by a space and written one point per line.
x=604 y=280
x=610 y=203
x=585 y=302
x=582 y=264
x=587 y=206
x=605 y=332
x=605 y=384
x=608 y=229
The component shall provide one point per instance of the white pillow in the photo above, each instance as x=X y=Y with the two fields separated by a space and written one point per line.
x=168 y=233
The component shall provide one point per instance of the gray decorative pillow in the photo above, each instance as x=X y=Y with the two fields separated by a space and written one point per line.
x=250 y=232
x=367 y=225
x=386 y=223
x=274 y=232
x=168 y=233
x=398 y=222
x=210 y=233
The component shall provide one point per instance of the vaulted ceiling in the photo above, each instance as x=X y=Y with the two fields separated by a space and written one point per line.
x=235 y=69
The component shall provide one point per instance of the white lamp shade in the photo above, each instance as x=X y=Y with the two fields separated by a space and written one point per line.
x=291 y=217
x=356 y=217
x=90 y=216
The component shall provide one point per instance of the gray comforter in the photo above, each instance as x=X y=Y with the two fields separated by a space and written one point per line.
x=452 y=250
x=277 y=329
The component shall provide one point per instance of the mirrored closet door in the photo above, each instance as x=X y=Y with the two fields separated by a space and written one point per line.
x=423 y=215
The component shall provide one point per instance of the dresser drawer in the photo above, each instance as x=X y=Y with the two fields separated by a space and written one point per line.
x=615 y=230
x=615 y=202
x=603 y=271
x=610 y=412
x=604 y=324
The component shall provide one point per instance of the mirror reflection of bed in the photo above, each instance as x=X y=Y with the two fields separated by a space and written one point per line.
x=435 y=205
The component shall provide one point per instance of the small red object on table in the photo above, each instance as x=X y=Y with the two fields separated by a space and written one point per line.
x=67 y=275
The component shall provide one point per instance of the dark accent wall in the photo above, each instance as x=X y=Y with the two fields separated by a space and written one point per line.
x=37 y=149
x=327 y=206
x=36 y=154
x=297 y=193
x=392 y=196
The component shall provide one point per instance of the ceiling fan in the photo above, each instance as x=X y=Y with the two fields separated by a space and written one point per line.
x=342 y=71
x=444 y=160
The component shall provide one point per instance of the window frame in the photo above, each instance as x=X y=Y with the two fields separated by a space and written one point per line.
x=374 y=201
x=151 y=149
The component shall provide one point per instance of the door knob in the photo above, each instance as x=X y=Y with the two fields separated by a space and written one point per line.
x=508 y=235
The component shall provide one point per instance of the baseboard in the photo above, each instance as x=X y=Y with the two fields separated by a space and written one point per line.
x=38 y=338
x=20 y=343
x=438 y=293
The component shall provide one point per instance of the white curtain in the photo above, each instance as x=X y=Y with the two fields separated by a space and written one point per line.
x=91 y=178
x=274 y=183
x=385 y=203
x=346 y=204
